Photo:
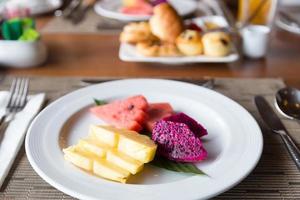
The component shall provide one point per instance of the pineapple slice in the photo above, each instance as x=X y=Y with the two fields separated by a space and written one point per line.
x=112 y=153
x=123 y=161
x=103 y=134
x=94 y=147
x=110 y=171
x=139 y=147
x=78 y=157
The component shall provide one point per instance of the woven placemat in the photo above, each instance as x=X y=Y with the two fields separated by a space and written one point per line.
x=275 y=176
x=94 y=23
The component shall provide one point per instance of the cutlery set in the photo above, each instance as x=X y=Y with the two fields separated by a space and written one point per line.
x=76 y=10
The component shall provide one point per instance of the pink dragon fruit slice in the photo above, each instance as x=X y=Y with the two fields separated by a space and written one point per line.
x=195 y=127
x=177 y=142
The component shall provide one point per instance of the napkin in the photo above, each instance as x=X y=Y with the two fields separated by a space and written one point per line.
x=13 y=138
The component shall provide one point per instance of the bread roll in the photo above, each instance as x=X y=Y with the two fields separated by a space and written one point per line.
x=165 y=23
x=189 y=43
x=136 y=32
x=216 y=44
x=157 y=48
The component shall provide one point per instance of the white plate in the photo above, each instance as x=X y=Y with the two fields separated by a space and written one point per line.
x=234 y=142
x=111 y=9
x=129 y=53
x=37 y=7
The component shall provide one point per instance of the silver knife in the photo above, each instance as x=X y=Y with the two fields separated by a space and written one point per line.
x=274 y=123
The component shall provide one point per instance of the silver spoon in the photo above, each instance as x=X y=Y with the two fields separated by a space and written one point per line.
x=288 y=102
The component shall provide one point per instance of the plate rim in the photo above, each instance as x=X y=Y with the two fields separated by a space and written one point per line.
x=78 y=195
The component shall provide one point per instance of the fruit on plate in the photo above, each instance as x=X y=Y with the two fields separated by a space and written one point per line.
x=195 y=127
x=137 y=7
x=137 y=146
x=131 y=143
x=99 y=166
x=112 y=153
x=124 y=161
x=94 y=147
x=104 y=134
x=79 y=157
x=128 y=2
x=189 y=43
x=157 y=111
x=129 y=113
x=176 y=140
x=110 y=171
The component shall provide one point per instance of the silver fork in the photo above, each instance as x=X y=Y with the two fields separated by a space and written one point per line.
x=17 y=101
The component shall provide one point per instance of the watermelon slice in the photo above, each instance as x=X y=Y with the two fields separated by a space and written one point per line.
x=156 y=112
x=129 y=113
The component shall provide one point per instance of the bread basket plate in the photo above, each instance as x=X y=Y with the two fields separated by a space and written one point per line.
x=129 y=53
x=234 y=142
x=111 y=9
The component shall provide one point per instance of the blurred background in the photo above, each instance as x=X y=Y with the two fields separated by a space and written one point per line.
x=82 y=37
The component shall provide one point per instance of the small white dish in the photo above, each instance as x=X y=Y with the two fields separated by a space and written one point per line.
x=22 y=54
x=129 y=53
x=37 y=7
x=255 y=40
x=111 y=9
x=234 y=142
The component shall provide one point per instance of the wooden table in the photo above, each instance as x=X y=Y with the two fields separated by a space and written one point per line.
x=97 y=55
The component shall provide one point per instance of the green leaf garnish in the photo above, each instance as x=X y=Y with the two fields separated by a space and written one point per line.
x=99 y=102
x=176 y=166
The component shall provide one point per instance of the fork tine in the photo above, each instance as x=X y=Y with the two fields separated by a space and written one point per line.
x=11 y=91
x=15 y=97
x=24 y=93
x=20 y=94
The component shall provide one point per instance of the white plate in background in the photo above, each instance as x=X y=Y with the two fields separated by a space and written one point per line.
x=234 y=142
x=111 y=9
x=36 y=7
x=129 y=53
